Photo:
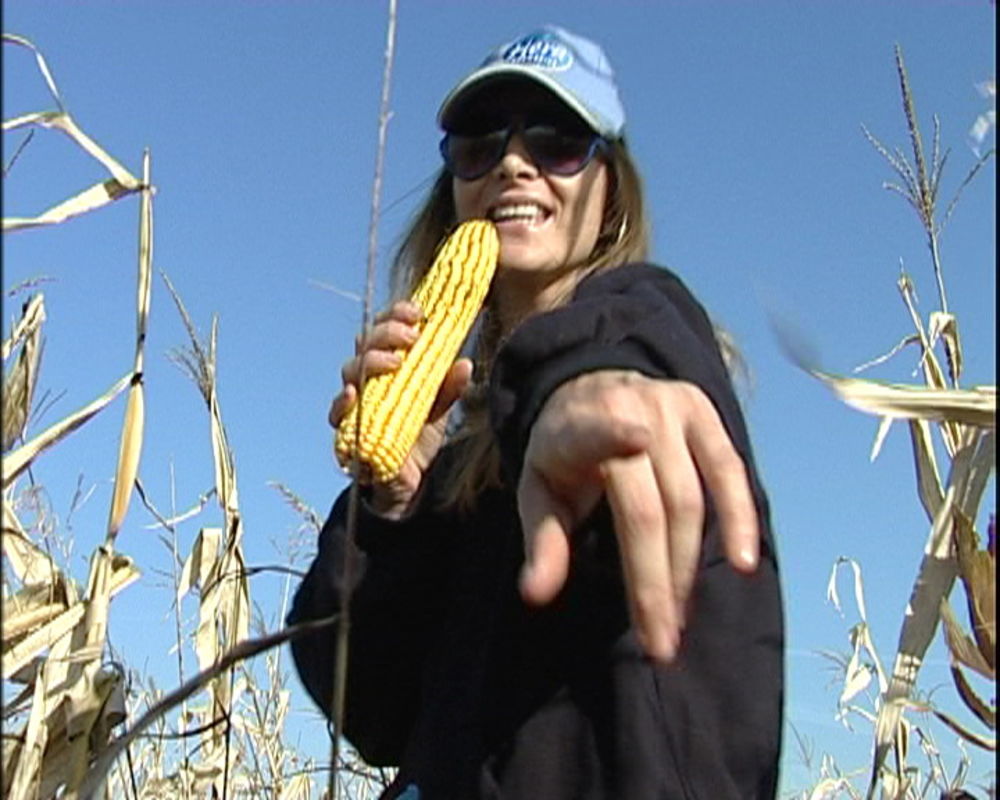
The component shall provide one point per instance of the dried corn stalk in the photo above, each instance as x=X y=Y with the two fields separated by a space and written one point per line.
x=56 y=645
x=19 y=381
x=130 y=446
x=217 y=560
x=966 y=422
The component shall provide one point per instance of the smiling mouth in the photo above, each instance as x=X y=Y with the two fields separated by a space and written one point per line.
x=529 y=214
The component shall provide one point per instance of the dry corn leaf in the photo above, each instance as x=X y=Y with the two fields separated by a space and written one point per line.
x=977 y=569
x=962 y=647
x=32 y=565
x=14 y=463
x=26 y=677
x=19 y=382
x=938 y=570
x=225 y=479
x=90 y=199
x=883 y=430
x=21 y=653
x=79 y=709
x=976 y=406
x=84 y=699
x=833 y=596
x=928 y=477
x=184 y=515
x=32 y=316
x=89 y=636
x=19 y=623
x=11 y=753
x=27 y=773
x=933 y=375
x=983 y=710
x=43 y=67
x=53 y=775
x=129 y=451
x=198 y=565
x=15 y=657
x=299 y=787
x=64 y=123
x=246 y=649
x=945 y=327
x=858 y=674
x=970 y=470
x=828 y=788
x=145 y=279
x=981 y=741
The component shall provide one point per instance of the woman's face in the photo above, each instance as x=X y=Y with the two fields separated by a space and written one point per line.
x=547 y=223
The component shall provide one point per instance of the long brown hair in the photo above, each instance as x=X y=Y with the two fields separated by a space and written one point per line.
x=624 y=237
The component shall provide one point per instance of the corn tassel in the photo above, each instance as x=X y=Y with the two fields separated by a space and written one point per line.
x=395 y=406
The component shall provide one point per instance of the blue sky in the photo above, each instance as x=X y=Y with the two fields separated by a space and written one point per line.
x=261 y=119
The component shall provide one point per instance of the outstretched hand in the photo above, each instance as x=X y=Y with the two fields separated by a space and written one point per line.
x=648 y=445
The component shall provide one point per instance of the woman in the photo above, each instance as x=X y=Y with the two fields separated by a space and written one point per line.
x=522 y=588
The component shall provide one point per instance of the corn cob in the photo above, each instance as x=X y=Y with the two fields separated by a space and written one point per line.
x=395 y=405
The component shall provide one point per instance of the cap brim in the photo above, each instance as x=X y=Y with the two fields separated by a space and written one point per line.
x=453 y=103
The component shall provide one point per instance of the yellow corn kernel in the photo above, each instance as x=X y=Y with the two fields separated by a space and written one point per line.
x=395 y=405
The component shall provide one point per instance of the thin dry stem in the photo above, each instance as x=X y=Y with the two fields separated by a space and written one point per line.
x=343 y=629
x=248 y=648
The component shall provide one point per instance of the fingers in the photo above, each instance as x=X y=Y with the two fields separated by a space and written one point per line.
x=394 y=330
x=641 y=528
x=456 y=381
x=680 y=496
x=379 y=351
x=403 y=310
x=725 y=477
x=583 y=423
x=342 y=404
x=653 y=448
x=547 y=525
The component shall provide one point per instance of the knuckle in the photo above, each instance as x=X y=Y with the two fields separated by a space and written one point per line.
x=726 y=462
x=688 y=505
x=645 y=521
x=349 y=371
x=649 y=600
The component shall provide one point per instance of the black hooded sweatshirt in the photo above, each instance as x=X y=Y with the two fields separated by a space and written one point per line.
x=473 y=694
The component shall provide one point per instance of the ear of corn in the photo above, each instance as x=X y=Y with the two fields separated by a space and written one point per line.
x=395 y=406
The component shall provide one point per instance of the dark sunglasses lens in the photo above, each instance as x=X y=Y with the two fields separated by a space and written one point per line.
x=558 y=152
x=471 y=157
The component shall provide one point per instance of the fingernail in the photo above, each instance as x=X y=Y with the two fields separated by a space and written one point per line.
x=748 y=557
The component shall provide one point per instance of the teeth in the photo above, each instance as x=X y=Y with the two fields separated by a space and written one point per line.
x=520 y=211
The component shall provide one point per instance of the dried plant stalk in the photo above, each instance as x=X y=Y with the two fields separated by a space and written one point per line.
x=965 y=420
x=19 y=382
x=130 y=447
x=343 y=629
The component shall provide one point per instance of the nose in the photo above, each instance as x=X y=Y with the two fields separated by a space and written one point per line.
x=516 y=161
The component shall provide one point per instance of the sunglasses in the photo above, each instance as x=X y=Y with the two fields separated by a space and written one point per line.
x=554 y=150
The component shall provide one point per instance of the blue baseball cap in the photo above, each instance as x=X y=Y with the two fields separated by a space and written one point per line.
x=573 y=68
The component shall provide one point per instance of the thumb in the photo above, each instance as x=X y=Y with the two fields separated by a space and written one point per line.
x=455 y=382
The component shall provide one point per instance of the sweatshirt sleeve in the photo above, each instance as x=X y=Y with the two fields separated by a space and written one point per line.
x=397 y=593
x=636 y=317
